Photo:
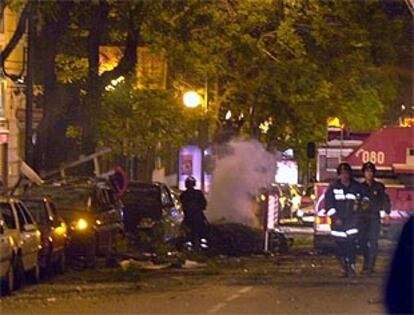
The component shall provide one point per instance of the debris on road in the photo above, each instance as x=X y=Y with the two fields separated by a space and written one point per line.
x=190 y=264
x=377 y=300
x=144 y=265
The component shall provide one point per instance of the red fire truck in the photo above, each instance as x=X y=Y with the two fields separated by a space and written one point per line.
x=392 y=150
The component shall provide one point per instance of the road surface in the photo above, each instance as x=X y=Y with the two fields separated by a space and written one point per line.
x=298 y=283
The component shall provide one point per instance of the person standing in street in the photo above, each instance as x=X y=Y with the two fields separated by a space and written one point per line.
x=341 y=200
x=370 y=218
x=194 y=204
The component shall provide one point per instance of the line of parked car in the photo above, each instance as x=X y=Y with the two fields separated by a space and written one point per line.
x=53 y=223
x=56 y=223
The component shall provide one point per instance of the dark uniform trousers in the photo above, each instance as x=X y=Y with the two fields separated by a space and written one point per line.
x=370 y=221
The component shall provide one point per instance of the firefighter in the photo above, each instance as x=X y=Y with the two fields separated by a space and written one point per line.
x=342 y=205
x=370 y=218
x=194 y=204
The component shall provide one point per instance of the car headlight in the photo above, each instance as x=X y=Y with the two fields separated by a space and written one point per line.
x=80 y=224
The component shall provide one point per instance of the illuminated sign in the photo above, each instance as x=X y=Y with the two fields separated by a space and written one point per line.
x=189 y=165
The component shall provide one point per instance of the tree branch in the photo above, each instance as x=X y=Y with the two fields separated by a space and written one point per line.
x=127 y=62
x=129 y=58
x=18 y=34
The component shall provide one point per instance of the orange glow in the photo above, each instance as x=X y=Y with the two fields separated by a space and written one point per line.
x=61 y=229
x=334 y=122
x=323 y=220
x=407 y=122
x=109 y=57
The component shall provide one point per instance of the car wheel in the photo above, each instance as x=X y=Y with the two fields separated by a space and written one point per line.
x=61 y=264
x=7 y=285
x=18 y=273
x=34 y=274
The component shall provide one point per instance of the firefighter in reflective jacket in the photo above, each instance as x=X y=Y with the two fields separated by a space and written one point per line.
x=342 y=203
x=370 y=218
x=194 y=204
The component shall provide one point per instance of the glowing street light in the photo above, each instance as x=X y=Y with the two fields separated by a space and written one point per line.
x=192 y=99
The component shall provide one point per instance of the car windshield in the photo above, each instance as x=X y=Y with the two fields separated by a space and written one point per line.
x=143 y=195
x=67 y=198
x=38 y=210
x=7 y=214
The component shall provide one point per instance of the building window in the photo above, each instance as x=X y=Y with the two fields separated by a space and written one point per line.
x=411 y=151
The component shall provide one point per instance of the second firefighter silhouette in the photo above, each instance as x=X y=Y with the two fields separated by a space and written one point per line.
x=194 y=204
x=342 y=204
x=370 y=221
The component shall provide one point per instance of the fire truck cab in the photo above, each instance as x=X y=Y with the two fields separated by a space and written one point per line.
x=392 y=150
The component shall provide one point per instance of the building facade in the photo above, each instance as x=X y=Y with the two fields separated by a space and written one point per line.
x=12 y=101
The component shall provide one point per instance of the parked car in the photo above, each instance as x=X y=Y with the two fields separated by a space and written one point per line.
x=7 y=250
x=22 y=229
x=152 y=209
x=54 y=233
x=93 y=217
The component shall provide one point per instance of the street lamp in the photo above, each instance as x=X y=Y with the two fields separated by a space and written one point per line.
x=192 y=99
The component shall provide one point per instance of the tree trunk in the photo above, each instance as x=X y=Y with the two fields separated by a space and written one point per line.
x=94 y=94
x=44 y=157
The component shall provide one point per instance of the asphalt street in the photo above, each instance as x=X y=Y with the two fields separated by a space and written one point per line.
x=301 y=282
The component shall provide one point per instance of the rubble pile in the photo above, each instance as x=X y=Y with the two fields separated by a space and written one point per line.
x=233 y=239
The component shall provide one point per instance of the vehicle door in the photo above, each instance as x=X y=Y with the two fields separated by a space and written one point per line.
x=58 y=228
x=168 y=208
x=5 y=249
x=30 y=236
x=10 y=221
x=176 y=214
x=103 y=221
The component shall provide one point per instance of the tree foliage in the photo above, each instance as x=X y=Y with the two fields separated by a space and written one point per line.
x=290 y=63
x=284 y=64
x=134 y=121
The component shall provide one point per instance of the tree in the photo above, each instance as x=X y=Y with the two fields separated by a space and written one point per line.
x=281 y=66
x=140 y=122
x=292 y=64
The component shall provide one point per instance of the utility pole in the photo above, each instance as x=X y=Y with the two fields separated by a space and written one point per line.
x=29 y=87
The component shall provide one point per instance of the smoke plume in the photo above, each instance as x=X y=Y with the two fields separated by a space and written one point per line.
x=240 y=172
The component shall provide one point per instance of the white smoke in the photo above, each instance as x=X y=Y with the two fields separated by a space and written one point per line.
x=237 y=177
